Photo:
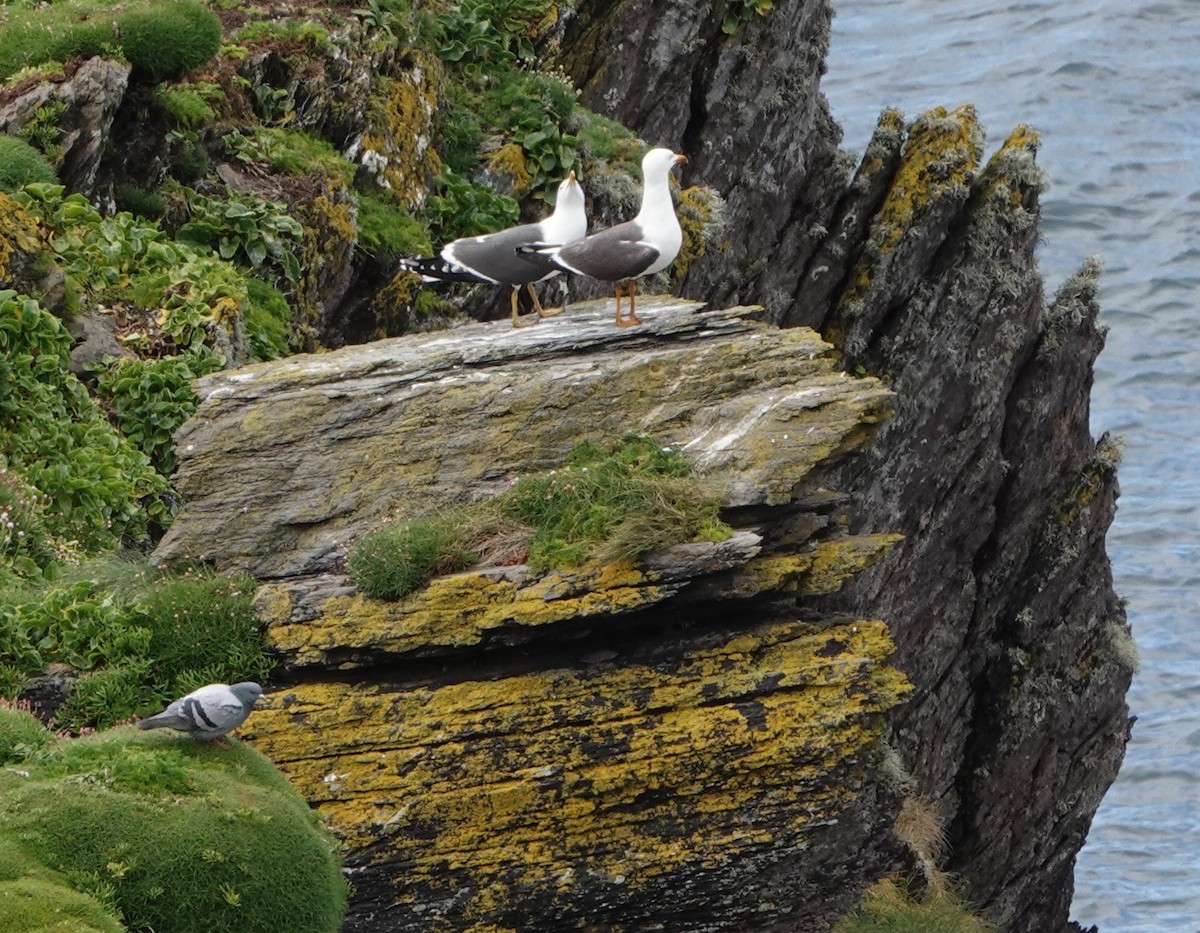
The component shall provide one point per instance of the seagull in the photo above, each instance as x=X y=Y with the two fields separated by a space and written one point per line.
x=208 y=712
x=642 y=246
x=500 y=258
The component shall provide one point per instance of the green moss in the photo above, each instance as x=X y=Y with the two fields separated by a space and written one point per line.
x=21 y=164
x=160 y=37
x=388 y=232
x=301 y=33
x=268 y=320
x=166 y=834
x=184 y=105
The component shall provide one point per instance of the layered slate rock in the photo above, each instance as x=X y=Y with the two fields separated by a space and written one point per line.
x=285 y=462
x=681 y=740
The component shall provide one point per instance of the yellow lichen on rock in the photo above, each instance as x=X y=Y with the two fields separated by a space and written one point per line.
x=398 y=148
x=456 y=610
x=19 y=235
x=515 y=783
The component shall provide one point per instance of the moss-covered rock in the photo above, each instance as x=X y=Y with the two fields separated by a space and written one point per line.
x=121 y=830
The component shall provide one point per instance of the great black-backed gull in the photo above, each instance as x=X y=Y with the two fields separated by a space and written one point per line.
x=642 y=246
x=501 y=259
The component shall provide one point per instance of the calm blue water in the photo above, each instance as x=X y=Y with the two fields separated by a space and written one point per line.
x=1114 y=88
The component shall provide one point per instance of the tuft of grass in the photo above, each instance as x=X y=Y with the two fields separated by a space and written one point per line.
x=888 y=908
x=21 y=164
x=397 y=559
x=184 y=105
x=21 y=734
x=140 y=202
x=613 y=503
x=605 y=503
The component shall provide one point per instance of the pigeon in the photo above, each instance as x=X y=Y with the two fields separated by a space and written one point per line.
x=642 y=246
x=209 y=712
x=495 y=257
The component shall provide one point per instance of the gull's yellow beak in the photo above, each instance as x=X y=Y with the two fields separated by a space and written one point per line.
x=680 y=159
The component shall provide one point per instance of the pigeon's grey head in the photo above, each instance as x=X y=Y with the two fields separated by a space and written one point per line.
x=247 y=691
x=658 y=162
x=570 y=195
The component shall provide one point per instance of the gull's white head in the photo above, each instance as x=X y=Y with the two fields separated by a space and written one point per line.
x=570 y=195
x=658 y=162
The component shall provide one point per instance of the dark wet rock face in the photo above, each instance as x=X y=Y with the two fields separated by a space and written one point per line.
x=921 y=268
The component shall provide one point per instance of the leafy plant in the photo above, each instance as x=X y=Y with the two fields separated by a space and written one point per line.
x=42 y=131
x=21 y=164
x=481 y=33
x=150 y=399
x=246 y=228
x=463 y=208
x=740 y=11
x=26 y=545
x=97 y=486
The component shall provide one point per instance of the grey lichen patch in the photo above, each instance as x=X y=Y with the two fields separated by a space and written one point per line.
x=1074 y=304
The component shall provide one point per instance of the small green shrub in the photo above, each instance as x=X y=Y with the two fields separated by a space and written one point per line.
x=21 y=734
x=150 y=399
x=245 y=228
x=483 y=34
x=43 y=132
x=148 y=205
x=606 y=503
x=145 y=637
x=612 y=503
x=166 y=834
x=26 y=545
x=21 y=164
x=887 y=908
x=397 y=559
x=202 y=622
x=184 y=105
x=293 y=152
x=189 y=160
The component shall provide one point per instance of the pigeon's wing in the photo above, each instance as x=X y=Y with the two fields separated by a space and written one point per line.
x=213 y=710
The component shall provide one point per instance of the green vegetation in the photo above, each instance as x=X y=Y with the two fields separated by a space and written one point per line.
x=129 y=831
x=740 y=11
x=141 y=203
x=387 y=231
x=185 y=105
x=245 y=228
x=161 y=38
x=143 y=637
x=42 y=131
x=463 y=208
x=292 y=152
x=398 y=559
x=605 y=503
x=21 y=164
x=57 y=440
x=150 y=399
x=888 y=908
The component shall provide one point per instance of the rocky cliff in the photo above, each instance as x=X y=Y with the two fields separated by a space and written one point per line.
x=915 y=607
x=674 y=741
